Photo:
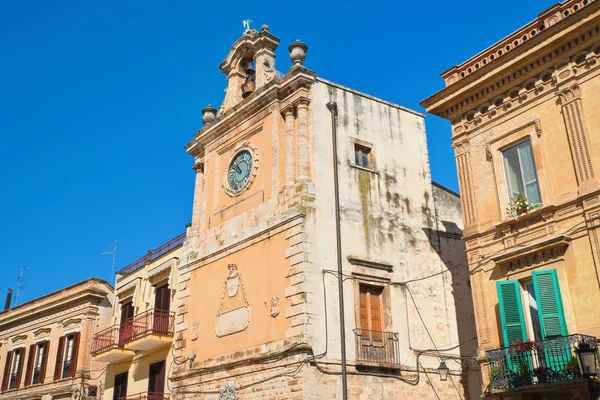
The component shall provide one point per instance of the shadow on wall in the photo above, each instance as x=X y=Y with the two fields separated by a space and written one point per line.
x=446 y=240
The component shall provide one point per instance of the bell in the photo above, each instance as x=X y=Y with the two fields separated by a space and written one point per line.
x=249 y=68
x=248 y=88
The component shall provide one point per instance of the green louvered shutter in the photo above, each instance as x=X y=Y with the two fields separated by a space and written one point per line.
x=511 y=311
x=550 y=307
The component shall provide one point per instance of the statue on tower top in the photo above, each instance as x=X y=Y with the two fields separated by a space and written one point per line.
x=246 y=23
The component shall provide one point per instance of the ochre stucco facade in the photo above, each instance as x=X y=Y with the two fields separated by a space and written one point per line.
x=539 y=89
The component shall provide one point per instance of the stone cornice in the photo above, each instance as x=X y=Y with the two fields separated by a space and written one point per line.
x=532 y=31
x=275 y=91
x=538 y=54
x=370 y=264
x=89 y=291
x=530 y=248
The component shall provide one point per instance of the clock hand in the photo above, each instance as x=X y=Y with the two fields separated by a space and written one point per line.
x=237 y=169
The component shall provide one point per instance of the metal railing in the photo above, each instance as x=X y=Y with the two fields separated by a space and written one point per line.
x=377 y=347
x=66 y=369
x=153 y=255
x=107 y=339
x=535 y=363
x=36 y=375
x=146 y=396
x=12 y=384
x=153 y=321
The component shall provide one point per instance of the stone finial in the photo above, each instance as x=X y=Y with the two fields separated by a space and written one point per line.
x=298 y=52
x=265 y=27
x=209 y=114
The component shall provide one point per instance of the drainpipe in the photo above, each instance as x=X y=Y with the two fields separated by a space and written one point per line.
x=332 y=106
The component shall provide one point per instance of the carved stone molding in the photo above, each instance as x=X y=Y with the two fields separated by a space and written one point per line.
x=461 y=147
x=568 y=94
x=496 y=138
x=42 y=333
x=577 y=133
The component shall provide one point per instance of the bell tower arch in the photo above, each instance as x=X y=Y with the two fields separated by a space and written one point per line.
x=249 y=65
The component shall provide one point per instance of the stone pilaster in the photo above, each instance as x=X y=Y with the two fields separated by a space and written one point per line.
x=570 y=100
x=198 y=207
x=289 y=147
x=465 y=181
x=303 y=149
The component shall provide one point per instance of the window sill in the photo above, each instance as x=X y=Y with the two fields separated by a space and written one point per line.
x=541 y=211
x=374 y=171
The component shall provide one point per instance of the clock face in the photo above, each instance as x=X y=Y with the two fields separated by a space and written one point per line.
x=240 y=171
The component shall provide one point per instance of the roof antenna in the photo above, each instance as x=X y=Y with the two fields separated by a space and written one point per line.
x=114 y=256
x=20 y=285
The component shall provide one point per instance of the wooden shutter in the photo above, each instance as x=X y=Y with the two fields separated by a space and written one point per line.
x=74 y=354
x=120 y=386
x=44 y=361
x=156 y=378
x=29 y=370
x=550 y=307
x=375 y=305
x=364 y=308
x=511 y=311
x=59 y=359
x=162 y=298
x=20 y=368
x=6 y=374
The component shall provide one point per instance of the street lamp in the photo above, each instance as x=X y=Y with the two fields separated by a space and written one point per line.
x=443 y=370
x=587 y=358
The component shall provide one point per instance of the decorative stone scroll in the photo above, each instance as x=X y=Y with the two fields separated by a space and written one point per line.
x=236 y=320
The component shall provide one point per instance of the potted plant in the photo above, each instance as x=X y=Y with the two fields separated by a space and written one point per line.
x=571 y=368
x=518 y=206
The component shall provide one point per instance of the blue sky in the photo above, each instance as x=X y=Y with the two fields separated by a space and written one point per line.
x=99 y=98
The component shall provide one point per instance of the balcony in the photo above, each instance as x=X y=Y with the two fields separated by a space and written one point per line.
x=377 y=348
x=146 y=396
x=148 y=330
x=107 y=346
x=531 y=365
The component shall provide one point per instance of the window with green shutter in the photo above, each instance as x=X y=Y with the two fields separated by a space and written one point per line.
x=550 y=307
x=511 y=311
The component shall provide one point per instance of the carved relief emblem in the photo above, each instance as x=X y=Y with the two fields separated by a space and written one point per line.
x=233 y=280
x=227 y=392
x=275 y=306
x=194 y=335
x=236 y=320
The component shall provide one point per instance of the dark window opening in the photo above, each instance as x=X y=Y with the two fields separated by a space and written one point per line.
x=362 y=156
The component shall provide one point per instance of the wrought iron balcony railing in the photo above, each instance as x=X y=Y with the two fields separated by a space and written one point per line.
x=107 y=339
x=153 y=321
x=146 y=396
x=536 y=363
x=377 y=347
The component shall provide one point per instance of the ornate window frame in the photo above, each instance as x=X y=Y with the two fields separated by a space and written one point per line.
x=496 y=144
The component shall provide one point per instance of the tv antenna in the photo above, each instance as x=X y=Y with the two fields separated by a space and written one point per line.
x=20 y=285
x=114 y=256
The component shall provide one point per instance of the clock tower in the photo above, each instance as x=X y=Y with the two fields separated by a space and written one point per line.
x=259 y=307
